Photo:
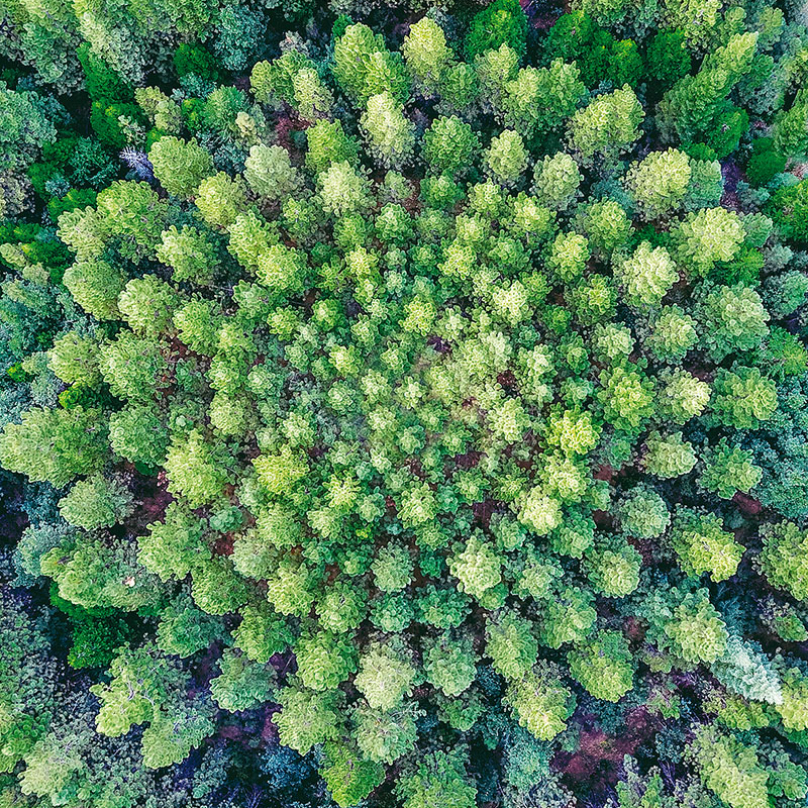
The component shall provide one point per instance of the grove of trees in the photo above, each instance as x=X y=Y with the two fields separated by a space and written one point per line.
x=403 y=405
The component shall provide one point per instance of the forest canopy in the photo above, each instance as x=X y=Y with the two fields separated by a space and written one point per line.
x=404 y=405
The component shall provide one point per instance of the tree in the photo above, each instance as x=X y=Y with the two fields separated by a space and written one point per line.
x=27 y=127
x=511 y=645
x=694 y=631
x=74 y=359
x=173 y=548
x=92 y=573
x=96 y=285
x=147 y=688
x=573 y=431
x=568 y=256
x=567 y=615
x=605 y=225
x=96 y=502
x=443 y=608
x=672 y=334
x=789 y=130
x=350 y=778
x=668 y=58
x=501 y=23
x=702 y=545
x=269 y=172
x=197 y=324
x=734 y=319
x=603 y=665
x=273 y=82
x=190 y=253
x=427 y=54
x=327 y=143
x=308 y=718
x=745 y=670
x=783 y=559
x=729 y=469
x=668 y=456
x=792 y=710
x=170 y=738
x=384 y=736
x=627 y=397
x=731 y=770
x=556 y=180
x=364 y=67
x=390 y=136
x=530 y=100
x=643 y=513
x=132 y=216
x=55 y=445
x=392 y=568
x=29 y=690
x=506 y=158
x=179 y=165
x=220 y=199
x=283 y=270
x=682 y=396
x=217 y=588
x=133 y=366
x=477 y=568
x=647 y=276
x=787 y=208
x=139 y=434
x=148 y=304
x=342 y=189
x=242 y=683
x=659 y=183
x=541 y=702
x=450 y=145
x=290 y=589
x=540 y=512
x=184 y=630
x=194 y=469
x=324 y=659
x=696 y=108
x=262 y=632
x=785 y=293
x=608 y=125
x=440 y=777
x=613 y=568
x=449 y=663
x=312 y=97
x=743 y=398
x=707 y=237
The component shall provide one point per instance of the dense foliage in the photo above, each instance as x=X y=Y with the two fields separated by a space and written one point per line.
x=404 y=405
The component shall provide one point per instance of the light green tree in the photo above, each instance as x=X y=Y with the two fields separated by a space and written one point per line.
x=179 y=165
x=541 y=702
